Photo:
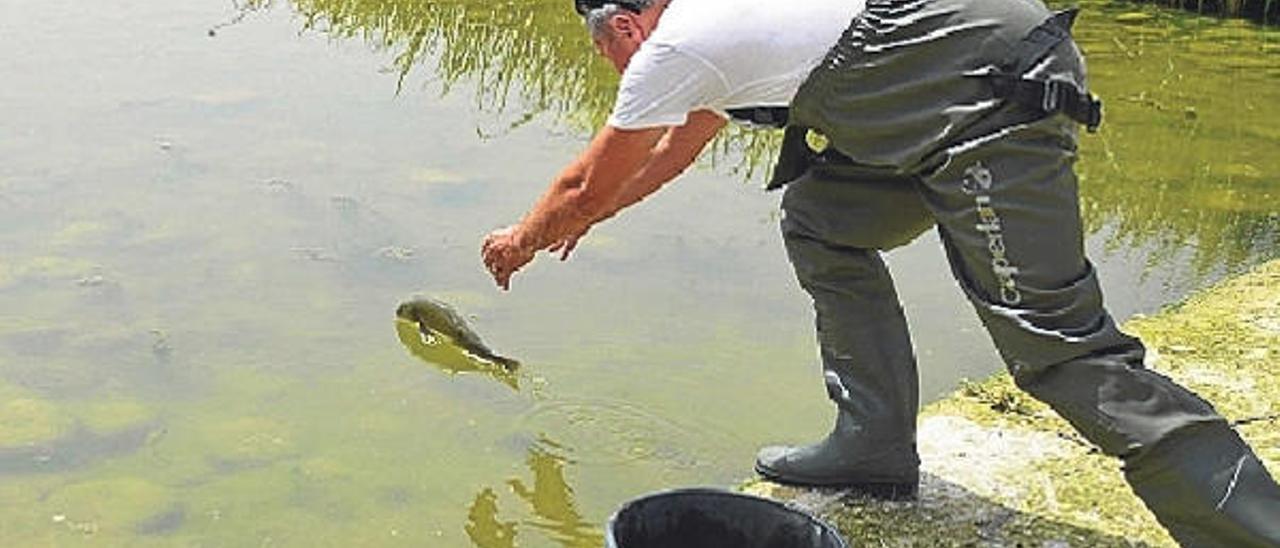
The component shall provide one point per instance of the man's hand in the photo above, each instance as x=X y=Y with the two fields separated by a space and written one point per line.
x=503 y=256
x=619 y=168
x=566 y=246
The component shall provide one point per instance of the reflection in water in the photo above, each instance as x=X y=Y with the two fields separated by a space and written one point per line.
x=449 y=358
x=1183 y=162
x=483 y=526
x=551 y=500
x=538 y=54
x=535 y=50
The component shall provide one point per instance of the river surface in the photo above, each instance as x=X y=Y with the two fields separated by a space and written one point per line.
x=209 y=213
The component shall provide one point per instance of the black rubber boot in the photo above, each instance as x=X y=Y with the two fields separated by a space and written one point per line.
x=845 y=459
x=834 y=221
x=1208 y=489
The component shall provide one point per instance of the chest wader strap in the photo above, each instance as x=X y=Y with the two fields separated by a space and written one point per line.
x=794 y=158
x=1048 y=96
x=803 y=148
x=770 y=117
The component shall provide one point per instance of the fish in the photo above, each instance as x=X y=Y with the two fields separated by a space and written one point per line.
x=436 y=319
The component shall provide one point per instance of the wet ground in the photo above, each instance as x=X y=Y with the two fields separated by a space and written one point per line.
x=204 y=237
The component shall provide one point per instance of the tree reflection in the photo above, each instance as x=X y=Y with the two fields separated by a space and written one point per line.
x=483 y=526
x=550 y=499
x=1184 y=160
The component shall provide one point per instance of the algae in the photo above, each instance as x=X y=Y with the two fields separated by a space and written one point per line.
x=108 y=506
x=247 y=441
x=44 y=269
x=113 y=415
x=27 y=419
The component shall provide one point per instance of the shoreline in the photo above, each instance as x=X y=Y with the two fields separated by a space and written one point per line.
x=1000 y=468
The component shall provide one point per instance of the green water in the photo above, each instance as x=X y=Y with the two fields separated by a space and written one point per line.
x=203 y=240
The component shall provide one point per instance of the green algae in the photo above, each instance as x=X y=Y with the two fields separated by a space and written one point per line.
x=247 y=441
x=109 y=506
x=44 y=269
x=1134 y=17
x=348 y=473
x=1223 y=344
x=112 y=415
x=27 y=419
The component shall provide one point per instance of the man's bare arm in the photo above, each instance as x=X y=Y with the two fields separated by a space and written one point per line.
x=588 y=188
x=618 y=168
x=677 y=150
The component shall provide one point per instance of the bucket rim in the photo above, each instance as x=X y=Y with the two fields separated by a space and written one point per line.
x=611 y=542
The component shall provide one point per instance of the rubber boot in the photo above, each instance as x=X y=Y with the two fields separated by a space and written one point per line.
x=869 y=366
x=1208 y=489
x=846 y=459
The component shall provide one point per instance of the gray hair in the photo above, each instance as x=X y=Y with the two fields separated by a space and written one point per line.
x=598 y=19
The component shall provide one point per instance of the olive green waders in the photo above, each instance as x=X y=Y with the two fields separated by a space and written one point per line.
x=918 y=138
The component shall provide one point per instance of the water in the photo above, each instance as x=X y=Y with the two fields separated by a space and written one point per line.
x=203 y=241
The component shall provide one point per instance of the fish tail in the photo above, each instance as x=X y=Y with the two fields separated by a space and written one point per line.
x=504 y=362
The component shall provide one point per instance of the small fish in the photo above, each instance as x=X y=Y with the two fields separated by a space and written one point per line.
x=437 y=319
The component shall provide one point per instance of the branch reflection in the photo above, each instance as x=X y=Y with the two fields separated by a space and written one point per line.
x=550 y=499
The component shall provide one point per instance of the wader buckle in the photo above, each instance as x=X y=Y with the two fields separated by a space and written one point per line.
x=1050 y=101
x=1050 y=97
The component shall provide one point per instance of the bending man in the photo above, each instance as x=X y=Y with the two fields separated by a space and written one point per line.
x=901 y=115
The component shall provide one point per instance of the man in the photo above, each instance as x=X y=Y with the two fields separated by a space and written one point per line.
x=959 y=114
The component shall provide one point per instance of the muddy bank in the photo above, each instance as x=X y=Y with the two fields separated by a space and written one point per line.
x=1002 y=470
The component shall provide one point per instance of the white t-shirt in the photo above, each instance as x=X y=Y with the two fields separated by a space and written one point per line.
x=724 y=54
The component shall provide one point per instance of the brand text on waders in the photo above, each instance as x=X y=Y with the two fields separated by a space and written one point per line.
x=977 y=183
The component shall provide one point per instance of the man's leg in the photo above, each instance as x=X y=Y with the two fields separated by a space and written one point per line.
x=832 y=227
x=1007 y=210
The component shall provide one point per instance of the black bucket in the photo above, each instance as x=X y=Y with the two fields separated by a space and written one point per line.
x=710 y=518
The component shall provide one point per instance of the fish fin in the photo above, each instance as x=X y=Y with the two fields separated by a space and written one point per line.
x=507 y=364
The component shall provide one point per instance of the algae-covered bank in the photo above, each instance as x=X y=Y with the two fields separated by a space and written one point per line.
x=1002 y=470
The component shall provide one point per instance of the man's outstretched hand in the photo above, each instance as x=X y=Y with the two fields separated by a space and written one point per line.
x=502 y=256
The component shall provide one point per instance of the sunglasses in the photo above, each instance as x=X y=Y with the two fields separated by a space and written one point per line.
x=584 y=7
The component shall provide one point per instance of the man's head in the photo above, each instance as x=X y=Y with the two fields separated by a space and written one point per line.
x=618 y=27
